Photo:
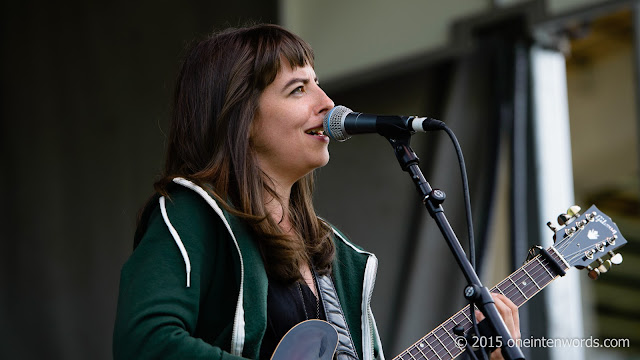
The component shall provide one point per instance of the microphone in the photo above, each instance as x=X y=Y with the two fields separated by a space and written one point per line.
x=340 y=123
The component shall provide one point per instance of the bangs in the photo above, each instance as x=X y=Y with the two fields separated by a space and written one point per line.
x=274 y=44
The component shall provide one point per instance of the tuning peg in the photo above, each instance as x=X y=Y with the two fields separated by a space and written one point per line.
x=616 y=259
x=563 y=219
x=604 y=266
x=574 y=211
x=553 y=228
x=593 y=273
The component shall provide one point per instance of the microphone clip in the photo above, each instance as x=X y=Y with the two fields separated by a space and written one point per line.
x=404 y=153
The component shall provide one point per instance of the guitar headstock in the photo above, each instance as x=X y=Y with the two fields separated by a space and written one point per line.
x=588 y=240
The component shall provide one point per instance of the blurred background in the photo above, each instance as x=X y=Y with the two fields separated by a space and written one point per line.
x=541 y=94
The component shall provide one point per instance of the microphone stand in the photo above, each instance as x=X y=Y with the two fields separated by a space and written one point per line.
x=475 y=292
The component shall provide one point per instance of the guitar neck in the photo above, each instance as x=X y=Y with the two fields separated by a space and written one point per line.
x=519 y=287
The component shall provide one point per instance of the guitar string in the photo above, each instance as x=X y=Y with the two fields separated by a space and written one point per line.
x=564 y=243
x=451 y=321
x=518 y=274
x=574 y=255
x=511 y=290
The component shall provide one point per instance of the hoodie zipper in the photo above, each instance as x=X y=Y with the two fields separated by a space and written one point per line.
x=370 y=273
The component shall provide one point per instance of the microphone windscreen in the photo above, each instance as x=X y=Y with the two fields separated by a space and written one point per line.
x=333 y=123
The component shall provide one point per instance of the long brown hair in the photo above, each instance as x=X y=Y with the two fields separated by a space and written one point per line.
x=216 y=99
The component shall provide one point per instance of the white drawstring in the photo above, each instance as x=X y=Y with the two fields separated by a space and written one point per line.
x=238 y=333
x=177 y=239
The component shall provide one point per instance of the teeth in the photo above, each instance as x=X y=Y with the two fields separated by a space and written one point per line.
x=315 y=132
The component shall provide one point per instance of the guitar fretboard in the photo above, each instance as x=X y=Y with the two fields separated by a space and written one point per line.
x=519 y=287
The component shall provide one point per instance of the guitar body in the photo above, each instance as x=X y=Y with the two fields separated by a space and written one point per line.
x=311 y=339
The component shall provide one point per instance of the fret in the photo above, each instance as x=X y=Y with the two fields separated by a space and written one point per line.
x=419 y=348
x=441 y=343
x=545 y=278
x=435 y=343
x=526 y=282
x=428 y=349
x=544 y=267
x=453 y=345
x=406 y=353
x=425 y=345
x=537 y=275
x=462 y=321
x=547 y=275
x=540 y=277
x=465 y=314
x=448 y=333
x=530 y=277
x=432 y=349
x=504 y=288
x=516 y=285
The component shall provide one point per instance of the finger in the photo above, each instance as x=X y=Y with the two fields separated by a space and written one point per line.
x=515 y=313
x=509 y=312
x=497 y=355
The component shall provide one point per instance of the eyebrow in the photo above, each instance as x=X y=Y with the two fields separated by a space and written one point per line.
x=293 y=81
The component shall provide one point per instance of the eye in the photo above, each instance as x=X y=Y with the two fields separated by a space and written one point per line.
x=299 y=90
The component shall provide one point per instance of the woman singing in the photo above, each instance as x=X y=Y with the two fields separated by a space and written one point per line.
x=230 y=254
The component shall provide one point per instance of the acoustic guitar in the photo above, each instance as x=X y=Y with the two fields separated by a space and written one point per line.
x=584 y=241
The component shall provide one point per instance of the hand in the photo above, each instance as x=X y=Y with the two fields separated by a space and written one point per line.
x=509 y=313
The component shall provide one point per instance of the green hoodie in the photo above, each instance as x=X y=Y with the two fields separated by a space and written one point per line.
x=195 y=286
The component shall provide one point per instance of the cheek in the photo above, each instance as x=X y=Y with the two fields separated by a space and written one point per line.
x=258 y=128
x=273 y=129
x=263 y=138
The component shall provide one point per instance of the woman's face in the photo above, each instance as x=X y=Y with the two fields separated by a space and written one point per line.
x=286 y=133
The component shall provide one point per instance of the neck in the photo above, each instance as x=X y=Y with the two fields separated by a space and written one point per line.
x=278 y=208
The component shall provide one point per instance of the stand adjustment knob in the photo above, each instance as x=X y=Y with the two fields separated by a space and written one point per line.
x=438 y=196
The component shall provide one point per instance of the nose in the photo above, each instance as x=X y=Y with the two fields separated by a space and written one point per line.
x=324 y=101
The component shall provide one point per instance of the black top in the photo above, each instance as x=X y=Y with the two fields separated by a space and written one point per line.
x=287 y=306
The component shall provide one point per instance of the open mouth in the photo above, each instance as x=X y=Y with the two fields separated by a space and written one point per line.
x=316 y=132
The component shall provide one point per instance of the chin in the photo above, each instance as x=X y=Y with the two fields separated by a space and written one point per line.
x=318 y=160
x=324 y=161
x=318 y=164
